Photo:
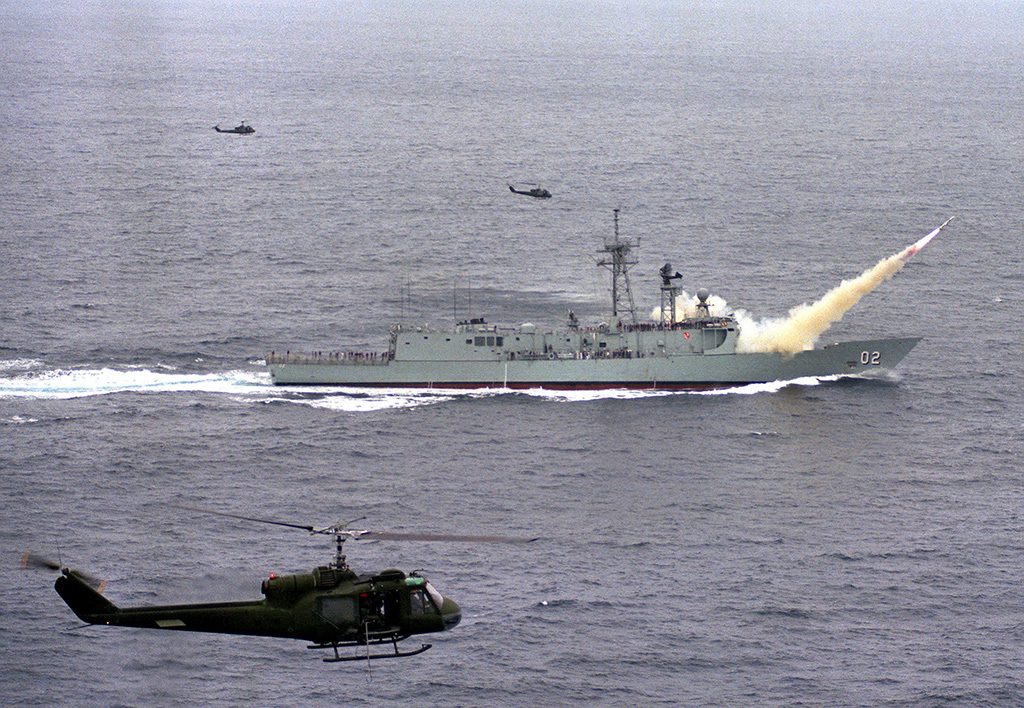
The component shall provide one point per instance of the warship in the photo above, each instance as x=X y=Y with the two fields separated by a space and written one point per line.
x=671 y=352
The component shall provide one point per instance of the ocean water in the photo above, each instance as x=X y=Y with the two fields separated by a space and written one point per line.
x=835 y=541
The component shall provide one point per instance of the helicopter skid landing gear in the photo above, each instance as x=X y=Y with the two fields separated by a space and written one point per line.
x=396 y=655
x=393 y=655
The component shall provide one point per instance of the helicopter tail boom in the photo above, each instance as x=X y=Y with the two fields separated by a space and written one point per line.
x=252 y=617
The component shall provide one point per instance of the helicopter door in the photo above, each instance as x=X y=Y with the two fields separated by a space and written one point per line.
x=339 y=611
x=372 y=608
x=392 y=610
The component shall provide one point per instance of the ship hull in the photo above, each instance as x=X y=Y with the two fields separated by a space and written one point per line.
x=662 y=372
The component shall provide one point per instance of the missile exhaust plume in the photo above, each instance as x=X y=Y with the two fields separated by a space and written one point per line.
x=911 y=250
x=805 y=323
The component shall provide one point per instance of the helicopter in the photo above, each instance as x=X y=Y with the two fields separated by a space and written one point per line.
x=330 y=607
x=242 y=129
x=530 y=190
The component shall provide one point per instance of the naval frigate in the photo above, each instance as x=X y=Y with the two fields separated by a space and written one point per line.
x=669 y=353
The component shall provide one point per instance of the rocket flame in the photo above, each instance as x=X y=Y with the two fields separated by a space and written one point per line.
x=805 y=323
x=911 y=250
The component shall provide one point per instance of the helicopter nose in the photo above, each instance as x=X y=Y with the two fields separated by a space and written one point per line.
x=451 y=613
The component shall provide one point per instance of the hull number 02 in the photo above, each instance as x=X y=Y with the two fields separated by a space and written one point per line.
x=871 y=358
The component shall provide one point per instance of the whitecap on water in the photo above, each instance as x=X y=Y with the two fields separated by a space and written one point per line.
x=20 y=420
x=19 y=364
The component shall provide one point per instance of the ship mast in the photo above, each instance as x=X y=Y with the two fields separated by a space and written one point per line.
x=669 y=293
x=620 y=263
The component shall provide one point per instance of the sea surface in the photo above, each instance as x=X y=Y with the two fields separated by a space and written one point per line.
x=853 y=541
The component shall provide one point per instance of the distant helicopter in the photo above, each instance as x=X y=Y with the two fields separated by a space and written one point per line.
x=242 y=129
x=530 y=190
x=331 y=607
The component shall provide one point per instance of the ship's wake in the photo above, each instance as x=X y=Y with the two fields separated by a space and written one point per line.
x=625 y=394
x=33 y=381
x=255 y=387
x=79 y=383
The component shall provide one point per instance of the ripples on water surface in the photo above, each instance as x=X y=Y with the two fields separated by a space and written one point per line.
x=851 y=541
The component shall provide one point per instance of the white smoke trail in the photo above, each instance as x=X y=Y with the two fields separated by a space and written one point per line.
x=805 y=323
x=800 y=329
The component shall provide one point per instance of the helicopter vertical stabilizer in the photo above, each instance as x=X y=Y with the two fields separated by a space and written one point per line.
x=83 y=600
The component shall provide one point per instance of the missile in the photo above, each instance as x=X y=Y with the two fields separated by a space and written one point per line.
x=915 y=247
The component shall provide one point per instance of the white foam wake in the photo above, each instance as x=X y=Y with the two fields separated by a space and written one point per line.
x=78 y=383
x=770 y=387
x=246 y=386
x=256 y=386
x=626 y=394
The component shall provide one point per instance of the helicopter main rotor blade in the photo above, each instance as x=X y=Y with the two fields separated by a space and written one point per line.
x=31 y=560
x=342 y=530
x=463 y=538
x=243 y=518
x=342 y=527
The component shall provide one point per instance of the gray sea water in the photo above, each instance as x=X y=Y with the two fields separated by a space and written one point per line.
x=856 y=541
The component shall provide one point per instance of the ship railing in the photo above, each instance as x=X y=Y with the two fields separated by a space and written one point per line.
x=338 y=358
x=690 y=323
x=581 y=355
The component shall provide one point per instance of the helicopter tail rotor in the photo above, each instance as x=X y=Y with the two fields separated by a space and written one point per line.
x=30 y=560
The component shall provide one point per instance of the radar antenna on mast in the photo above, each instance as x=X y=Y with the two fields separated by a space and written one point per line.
x=620 y=263
x=669 y=293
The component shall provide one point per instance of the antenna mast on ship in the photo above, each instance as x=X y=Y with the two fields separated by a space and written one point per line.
x=669 y=293
x=619 y=265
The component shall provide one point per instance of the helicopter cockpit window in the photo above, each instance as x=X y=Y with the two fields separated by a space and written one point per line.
x=435 y=596
x=420 y=602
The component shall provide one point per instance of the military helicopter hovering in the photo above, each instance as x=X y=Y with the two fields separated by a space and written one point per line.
x=331 y=607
